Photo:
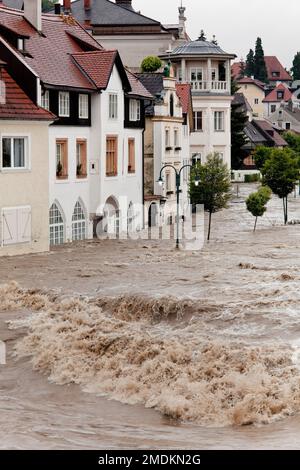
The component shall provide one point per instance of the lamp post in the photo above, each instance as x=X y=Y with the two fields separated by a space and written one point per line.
x=178 y=181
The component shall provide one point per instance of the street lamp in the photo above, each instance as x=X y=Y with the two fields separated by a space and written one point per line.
x=178 y=179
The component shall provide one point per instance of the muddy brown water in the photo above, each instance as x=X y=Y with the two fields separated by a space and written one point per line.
x=240 y=293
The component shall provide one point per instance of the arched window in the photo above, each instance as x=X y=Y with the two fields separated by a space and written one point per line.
x=171 y=105
x=57 y=226
x=78 y=223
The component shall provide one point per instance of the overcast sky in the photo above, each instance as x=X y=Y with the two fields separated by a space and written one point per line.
x=236 y=23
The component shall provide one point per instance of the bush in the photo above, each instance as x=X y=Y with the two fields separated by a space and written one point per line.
x=151 y=64
x=254 y=178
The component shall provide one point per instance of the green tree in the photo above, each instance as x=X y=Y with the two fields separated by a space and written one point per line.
x=256 y=202
x=250 y=66
x=151 y=64
x=296 y=67
x=260 y=155
x=260 y=69
x=281 y=172
x=214 y=189
x=293 y=140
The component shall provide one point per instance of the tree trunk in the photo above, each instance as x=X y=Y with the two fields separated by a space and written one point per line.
x=255 y=224
x=209 y=227
x=286 y=210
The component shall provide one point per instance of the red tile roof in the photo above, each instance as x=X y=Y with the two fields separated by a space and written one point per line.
x=251 y=81
x=14 y=104
x=97 y=65
x=273 y=65
x=236 y=69
x=137 y=88
x=50 y=53
x=272 y=97
x=184 y=92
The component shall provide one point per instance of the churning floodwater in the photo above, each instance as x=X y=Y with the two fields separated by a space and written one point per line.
x=125 y=345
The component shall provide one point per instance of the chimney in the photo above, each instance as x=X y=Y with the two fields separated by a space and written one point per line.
x=182 y=20
x=67 y=6
x=125 y=4
x=87 y=4
x=33 y=13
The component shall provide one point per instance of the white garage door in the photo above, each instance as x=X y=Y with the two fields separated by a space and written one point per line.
x=16 y=225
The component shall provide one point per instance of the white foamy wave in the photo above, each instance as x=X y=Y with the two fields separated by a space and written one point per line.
x=166 y=365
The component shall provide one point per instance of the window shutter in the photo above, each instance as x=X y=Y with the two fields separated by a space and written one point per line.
x=9 y=226
x=24 y=225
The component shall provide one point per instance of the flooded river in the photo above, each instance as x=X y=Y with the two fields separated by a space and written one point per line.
x=133 y=345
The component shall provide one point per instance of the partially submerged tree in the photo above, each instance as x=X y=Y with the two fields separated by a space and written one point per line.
x=214 y=188
x=256 y=202
x=151 y=64
x=281 y=172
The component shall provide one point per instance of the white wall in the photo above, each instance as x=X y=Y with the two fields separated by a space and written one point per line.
x=124 y=184
x=208 y=140
x=27 y=188
x=68 y=191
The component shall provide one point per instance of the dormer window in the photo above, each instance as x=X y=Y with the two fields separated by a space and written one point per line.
x=21 y=44
x=280 y=95
x=64 y=104
x=83 y=104
x=134 y=110
x=45 y=100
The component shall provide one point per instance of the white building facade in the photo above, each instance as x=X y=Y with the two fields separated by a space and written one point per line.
x=207 y=68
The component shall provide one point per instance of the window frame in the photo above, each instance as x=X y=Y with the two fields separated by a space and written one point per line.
x=131 y=156
x=195 y=118
x=219 y=121
x=45 y=100
x=79 y=225
x=64 y=95
x=167 y=138
x=14 y=168
x=197 y=70
x=83 y=105
x=114 y=172
x=64 y=157
x=81 y=159
x=134 y=110
x=58 y=225
x=113 y=103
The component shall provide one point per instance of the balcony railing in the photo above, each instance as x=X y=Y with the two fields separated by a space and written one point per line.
x=214 y=85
